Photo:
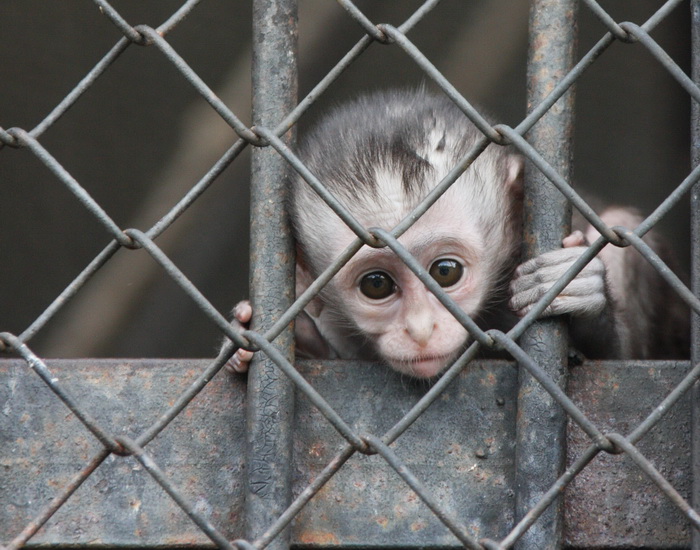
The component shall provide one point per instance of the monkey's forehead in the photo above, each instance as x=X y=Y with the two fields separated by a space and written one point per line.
x=384 y=117
x=446 y=217
x=409 y=133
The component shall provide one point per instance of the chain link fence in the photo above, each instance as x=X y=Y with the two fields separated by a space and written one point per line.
x=270 y=505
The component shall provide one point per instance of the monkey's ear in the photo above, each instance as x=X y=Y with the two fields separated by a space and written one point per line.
x=309 y=342
x=515 y=169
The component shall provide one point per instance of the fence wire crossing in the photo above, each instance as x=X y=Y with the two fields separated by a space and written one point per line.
x=260 y=136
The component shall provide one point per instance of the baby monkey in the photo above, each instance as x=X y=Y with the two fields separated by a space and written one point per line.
x=380 y=155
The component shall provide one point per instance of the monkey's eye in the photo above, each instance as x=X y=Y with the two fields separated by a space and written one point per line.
x=446 y=272
x=377 y=285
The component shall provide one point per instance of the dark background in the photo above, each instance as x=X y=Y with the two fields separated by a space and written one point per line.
x=141 y=136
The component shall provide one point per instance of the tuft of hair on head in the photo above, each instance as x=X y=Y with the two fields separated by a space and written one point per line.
x=395 y=143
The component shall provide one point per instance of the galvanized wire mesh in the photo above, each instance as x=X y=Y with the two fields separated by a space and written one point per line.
x=265 y=343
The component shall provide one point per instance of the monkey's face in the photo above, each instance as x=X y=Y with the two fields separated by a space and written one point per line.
x=410 y=329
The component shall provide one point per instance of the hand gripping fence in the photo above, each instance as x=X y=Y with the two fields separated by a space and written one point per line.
x=271 y=505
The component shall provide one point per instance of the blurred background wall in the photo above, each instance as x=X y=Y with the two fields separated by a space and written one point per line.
x=140 y=137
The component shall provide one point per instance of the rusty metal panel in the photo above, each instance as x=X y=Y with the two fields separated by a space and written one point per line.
x=612 y=502
x=461 y=449
x=43 y=446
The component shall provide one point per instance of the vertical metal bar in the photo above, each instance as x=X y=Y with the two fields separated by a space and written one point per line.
x=695 y=262
x=270 y=393
x=541 y=425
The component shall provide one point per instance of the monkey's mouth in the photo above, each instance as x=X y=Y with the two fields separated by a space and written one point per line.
x=422 y=366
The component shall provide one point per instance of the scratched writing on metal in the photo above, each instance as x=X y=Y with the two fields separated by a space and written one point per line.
x=265 y=448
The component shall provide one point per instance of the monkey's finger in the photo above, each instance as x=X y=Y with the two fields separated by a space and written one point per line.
x=581 y=286
x=587 y=288
x=561 y=256
x=577 y=238
x=549 y=275
x=243 y=311
x=580 y=306
x=239 y=361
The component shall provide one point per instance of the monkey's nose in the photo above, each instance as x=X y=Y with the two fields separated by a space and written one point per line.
x=420 y=328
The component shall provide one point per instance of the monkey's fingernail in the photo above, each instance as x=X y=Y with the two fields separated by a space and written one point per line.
x=243 y=311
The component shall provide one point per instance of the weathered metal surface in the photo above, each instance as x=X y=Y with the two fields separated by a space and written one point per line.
x=461 y=449
x=270 y=393
x=695 y=255
x=43 y=446
x=612 y=500
x=541 y=441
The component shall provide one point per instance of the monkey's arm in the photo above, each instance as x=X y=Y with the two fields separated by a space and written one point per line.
x=619 y=306
x=586 y=299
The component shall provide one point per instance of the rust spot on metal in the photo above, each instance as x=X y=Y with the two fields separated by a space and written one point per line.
x=360 y=484
x=383 y=521
x=323 y=538
x=317 y=450
x=454 y=448
x=489 y=380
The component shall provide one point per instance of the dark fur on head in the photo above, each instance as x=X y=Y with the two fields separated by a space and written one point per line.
x=399 y=132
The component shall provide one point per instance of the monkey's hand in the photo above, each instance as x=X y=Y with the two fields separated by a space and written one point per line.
x=309 y=342
x=239 y=361
x=585 y=296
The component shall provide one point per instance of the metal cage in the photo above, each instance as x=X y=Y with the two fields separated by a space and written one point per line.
x=489 y=456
